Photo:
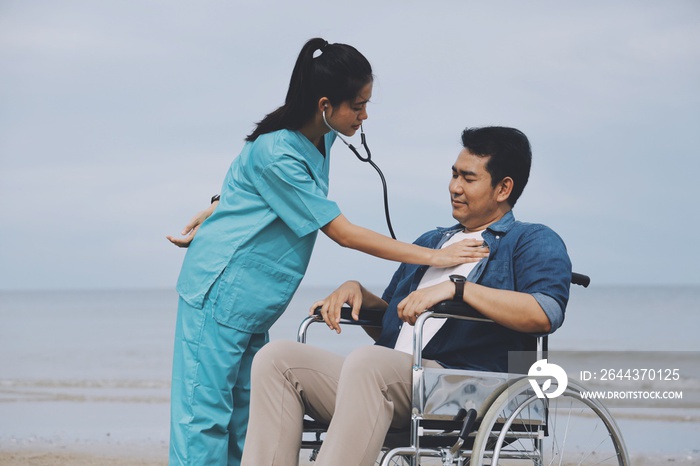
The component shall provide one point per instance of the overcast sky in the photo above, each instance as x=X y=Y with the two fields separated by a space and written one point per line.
x=119 y=119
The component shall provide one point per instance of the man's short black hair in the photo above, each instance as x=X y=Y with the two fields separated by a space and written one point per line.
x=509 y=152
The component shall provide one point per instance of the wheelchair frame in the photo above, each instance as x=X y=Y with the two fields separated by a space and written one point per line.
x=501 y=412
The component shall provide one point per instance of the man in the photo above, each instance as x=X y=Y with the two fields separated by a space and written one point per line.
x=523 y=286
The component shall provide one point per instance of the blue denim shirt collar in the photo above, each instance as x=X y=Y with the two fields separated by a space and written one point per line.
x=501 y=226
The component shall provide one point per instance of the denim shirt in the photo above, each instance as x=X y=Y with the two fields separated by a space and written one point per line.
x=525 y=257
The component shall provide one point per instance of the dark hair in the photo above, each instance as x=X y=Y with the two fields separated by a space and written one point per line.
x=338 y=73
x=509 y=152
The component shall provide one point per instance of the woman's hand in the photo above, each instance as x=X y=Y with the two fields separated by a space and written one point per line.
x=417 y=302
x=350 y=293
x=465 y=251
x=191 y=228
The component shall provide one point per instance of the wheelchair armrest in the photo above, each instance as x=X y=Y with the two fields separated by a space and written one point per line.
x=458 y=309
x=369 y=317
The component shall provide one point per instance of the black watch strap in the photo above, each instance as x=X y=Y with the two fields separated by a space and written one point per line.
x=459 y=281
x=215 y=198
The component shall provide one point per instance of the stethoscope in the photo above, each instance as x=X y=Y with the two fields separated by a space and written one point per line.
x=367 y=159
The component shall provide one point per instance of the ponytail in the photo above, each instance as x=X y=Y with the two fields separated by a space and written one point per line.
x=338 y=73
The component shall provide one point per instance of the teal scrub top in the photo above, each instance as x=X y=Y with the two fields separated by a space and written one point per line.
x=259 y=239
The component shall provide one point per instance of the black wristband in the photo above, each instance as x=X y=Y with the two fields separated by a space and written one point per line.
x=459 y=281
x=215 y=198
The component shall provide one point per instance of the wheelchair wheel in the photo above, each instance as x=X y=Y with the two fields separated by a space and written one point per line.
x=397 y=461
x=577 y=430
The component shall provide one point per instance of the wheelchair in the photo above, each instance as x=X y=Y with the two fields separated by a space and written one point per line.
x=465 y=417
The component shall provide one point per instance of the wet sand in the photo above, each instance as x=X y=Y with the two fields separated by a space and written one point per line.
x=157 y=456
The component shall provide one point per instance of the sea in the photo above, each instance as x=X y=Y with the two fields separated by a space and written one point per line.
x=93 y=367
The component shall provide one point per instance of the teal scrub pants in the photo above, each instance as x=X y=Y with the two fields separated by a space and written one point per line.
x=210 y=395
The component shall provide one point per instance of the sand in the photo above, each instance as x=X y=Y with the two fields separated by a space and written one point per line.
x=157 y=456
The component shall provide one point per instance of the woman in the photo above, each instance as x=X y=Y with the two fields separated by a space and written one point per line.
x=248 y=258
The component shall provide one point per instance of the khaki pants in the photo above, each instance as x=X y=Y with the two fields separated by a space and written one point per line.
x=361 y=396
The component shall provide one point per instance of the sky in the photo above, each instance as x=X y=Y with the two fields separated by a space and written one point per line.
x=119 y=119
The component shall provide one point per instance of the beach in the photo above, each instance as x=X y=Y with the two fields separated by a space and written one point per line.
x=101 y=456
x=84 y=375
x=157 y=458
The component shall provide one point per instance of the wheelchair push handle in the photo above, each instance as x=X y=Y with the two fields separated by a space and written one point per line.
x=580 y=279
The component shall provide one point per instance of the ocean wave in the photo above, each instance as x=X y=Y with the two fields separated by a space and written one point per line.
x=84 y=391
x=85 y=383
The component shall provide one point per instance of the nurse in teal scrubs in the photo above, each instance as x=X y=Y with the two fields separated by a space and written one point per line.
x=248 y=257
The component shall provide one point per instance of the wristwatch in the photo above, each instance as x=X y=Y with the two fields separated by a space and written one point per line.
x=215 y=198
x=459 y=281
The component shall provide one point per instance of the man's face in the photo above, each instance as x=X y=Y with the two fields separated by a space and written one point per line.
x=475 y=203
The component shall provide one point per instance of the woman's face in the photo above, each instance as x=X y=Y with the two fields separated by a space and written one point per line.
x=347 y=117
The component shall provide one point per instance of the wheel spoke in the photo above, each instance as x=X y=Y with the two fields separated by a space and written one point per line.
x=578 y=431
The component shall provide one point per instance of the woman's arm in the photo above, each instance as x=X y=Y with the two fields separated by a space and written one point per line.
x=352 y=236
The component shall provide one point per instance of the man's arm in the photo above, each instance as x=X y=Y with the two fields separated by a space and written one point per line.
x=515 y=310
x=353 y=294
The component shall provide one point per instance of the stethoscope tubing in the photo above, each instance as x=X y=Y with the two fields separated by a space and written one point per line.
x=368 y=159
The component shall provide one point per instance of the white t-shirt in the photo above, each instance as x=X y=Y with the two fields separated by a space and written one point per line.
x=433 y=276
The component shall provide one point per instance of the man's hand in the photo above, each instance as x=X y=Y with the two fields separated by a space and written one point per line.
x=191 y=228
x=350 y=293
x=463 y=252
x=417 y=302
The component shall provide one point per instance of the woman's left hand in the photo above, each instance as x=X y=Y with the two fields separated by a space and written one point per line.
x=191 y=228
x=462 y=252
